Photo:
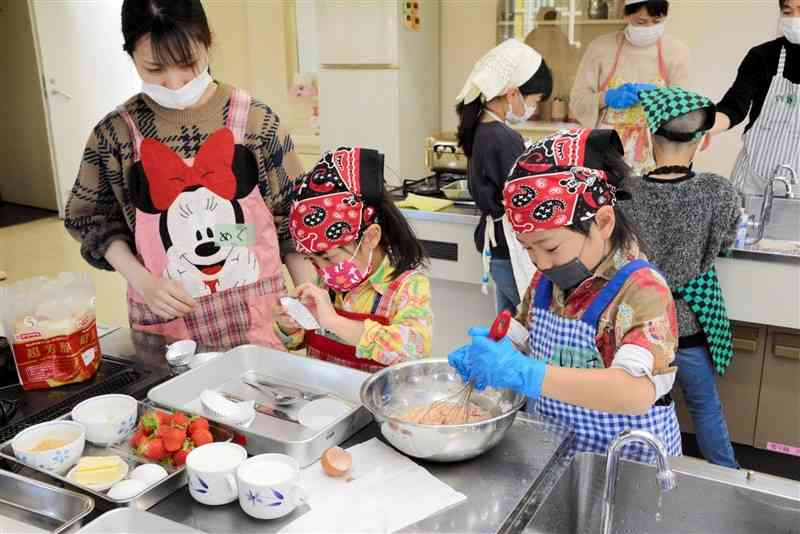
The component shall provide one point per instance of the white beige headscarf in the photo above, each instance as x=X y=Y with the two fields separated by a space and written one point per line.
x=509 y=64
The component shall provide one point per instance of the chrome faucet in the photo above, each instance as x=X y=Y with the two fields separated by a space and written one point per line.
x=766 y=202
x=665 y=477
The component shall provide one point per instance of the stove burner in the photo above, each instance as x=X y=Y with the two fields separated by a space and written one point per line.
x=431 y=186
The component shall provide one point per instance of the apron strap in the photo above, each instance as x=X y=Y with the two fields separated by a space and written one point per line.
x=238 y=109
x=613 y=71
x=782 y=62
x=662 y=65
x=610 y=291
x=135 y=133
x=544 y=294
x=489 y=240
x=383 y=302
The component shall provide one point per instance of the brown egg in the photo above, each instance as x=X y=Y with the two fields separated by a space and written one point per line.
x=336 y=462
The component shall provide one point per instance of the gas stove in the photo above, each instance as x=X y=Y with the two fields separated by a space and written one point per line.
x=431 y=186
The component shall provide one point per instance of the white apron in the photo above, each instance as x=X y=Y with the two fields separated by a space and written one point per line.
x=774 y=139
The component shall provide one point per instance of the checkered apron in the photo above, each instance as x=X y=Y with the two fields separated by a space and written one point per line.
x=226 y=318
x=572 y=343
x=774 y=138
x=704 y=296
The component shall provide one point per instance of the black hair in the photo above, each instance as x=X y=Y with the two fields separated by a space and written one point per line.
x=398 y=240
x=625 y=234
x=655 y=8
x=175 y=28
x=469 y=115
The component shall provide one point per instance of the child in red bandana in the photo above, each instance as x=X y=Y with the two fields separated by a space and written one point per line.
x=601 y=320
x=372 y=302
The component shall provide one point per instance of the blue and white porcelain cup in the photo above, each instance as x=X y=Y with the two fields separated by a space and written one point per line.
x=269 y=486
x=212 y=472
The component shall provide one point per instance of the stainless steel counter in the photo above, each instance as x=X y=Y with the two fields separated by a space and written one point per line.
x=496 y=484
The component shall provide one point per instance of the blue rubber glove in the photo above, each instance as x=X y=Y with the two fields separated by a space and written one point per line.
x=459 y=360
x=639 y=87
x=623 y=97
x=499 y=365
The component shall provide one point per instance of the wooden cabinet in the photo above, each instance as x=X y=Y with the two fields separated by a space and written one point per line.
x=739 y=387
x=779 y=406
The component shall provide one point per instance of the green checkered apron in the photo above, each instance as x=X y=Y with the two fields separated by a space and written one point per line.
x=704 y=297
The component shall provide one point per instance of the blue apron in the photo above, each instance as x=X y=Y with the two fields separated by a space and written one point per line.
x=566 y=342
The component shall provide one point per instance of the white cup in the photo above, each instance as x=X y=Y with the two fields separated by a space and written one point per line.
x=269 y=486
x=212 y=472
x=180 y=352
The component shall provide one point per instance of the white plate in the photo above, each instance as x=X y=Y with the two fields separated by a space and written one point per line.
x=101 y=487
x=299 y=313
x=322 y=412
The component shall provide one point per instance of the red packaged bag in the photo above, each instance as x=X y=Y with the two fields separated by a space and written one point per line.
x=51 y=326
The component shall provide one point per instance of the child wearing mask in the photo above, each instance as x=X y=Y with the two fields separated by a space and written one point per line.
x=371 y=300
x=602 y=321
x=686 y=219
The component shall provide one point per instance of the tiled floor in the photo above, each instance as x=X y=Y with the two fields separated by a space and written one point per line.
x=43 y=247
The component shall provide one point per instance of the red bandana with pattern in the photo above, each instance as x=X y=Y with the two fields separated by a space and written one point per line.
x=328 y=210
x=551 y=187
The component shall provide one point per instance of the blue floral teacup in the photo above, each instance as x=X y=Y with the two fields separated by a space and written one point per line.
x=212 y=472
x=269 y=486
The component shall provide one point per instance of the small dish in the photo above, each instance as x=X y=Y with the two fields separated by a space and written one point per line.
x=102 y=487
x=108 y=419
x=56 y=459
x=180 y=352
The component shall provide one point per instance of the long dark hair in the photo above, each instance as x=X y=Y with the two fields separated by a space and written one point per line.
x=469 y=115
x=655 y=8
x=625 y=234
x=398 y=239
x=175 y=27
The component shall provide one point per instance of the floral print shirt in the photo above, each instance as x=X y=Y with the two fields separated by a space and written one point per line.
x=407 y=337
x=643 y=313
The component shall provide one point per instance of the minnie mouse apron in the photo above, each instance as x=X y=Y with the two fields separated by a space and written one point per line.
x=203 y=222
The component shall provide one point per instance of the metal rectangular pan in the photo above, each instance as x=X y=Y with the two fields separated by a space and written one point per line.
x=31 y=506
x=266 y=433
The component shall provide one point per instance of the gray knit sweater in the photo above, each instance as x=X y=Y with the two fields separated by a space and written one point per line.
x=684 y=225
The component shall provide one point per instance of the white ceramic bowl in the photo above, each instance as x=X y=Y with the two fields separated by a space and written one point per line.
x=180 y=352
x=108 y=418
x=58 y=460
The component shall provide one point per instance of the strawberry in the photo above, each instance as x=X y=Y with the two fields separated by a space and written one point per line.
x=173 y=438
x=202 y=437
x=197 y=423
x=137 y=438
x=153 y=449
x=179 y=458
x=180 y=420
x=167 y=462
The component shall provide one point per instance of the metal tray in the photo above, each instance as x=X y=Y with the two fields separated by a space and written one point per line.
x=28 y=506
x=458 y=190
x=267 y=433
x=127 y=521
x=176 y=477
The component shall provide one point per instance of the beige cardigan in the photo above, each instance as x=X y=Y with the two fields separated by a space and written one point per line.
x=636 y=64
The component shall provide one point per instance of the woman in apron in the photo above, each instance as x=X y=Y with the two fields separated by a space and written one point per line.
x=768 y=87
x=503 y=88
x=602 y=323
x=619 y=65
x=372 y=302
x=180 y=189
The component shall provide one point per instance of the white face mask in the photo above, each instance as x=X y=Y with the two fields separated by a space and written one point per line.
x=644 y=35
x=513 y=118
x=182 y=98
x=790 y=26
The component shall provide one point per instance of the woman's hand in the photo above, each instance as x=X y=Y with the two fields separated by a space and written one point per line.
x=166 y=298
x=287 y=325
x=318 y=301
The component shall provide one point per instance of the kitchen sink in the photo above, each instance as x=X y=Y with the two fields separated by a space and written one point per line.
x=709 y=499
x=784 y=224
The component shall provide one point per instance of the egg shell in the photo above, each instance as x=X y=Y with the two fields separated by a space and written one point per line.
x=126 y=489
x=148 y=473
x=336 y=462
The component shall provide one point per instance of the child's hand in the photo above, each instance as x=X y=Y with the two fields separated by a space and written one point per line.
x=287 y=325
x=318 y=302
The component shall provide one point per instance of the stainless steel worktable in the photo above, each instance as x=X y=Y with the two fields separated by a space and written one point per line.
x=495 y=484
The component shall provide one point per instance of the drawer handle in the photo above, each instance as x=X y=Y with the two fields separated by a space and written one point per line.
x=746 y=345
x=785 y=351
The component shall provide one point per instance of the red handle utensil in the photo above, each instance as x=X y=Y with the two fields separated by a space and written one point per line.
x=500 y=325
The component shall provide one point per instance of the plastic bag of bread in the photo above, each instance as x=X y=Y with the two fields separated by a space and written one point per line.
x=50 y=323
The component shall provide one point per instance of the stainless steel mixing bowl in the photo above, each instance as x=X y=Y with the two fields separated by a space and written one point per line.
x=397 y=389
